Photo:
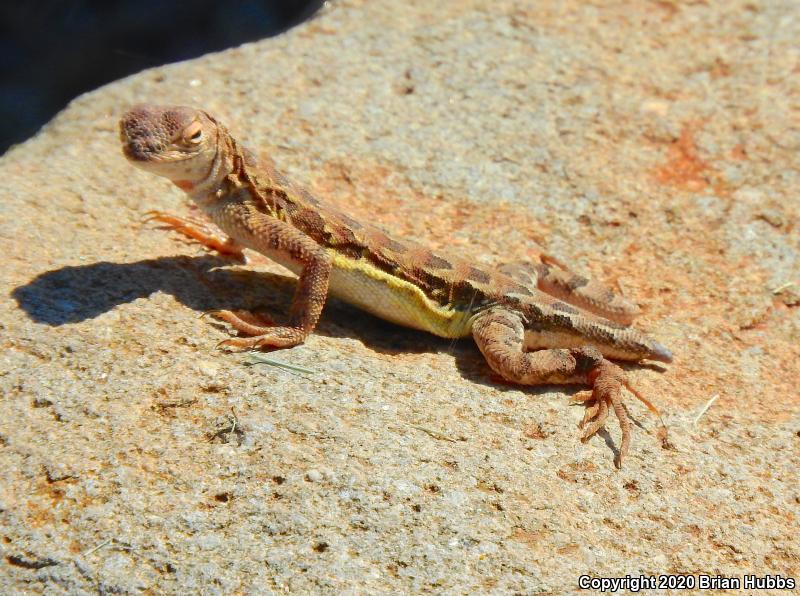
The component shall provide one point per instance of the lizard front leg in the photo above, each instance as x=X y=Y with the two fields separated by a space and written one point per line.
x=500 y=336
x=275 y=238
x=202 y=231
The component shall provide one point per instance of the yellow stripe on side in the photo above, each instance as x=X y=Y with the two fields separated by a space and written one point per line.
x=362 y=284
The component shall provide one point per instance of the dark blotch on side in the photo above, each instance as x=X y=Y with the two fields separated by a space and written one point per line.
x=310 y=221
x=563 y=322
x=577 y=281
x=437 y=262
x=309 y=198
x=432 y=284
x=478 y=276
x=519 y=289
x=349 y=221
x=345 y=235
x=395 y=246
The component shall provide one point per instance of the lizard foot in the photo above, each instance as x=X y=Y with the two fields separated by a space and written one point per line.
x=261 y=331
x=277 y=337
x=199 y=230
x=607 y=380
x=245 y=321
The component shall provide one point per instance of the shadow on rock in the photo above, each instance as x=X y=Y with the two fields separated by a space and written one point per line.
x=74 y=294
x=80 y=293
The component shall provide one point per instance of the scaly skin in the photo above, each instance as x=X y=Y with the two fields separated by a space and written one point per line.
x=534 y=323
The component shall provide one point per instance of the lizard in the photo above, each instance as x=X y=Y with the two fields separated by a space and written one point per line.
x=535 y=323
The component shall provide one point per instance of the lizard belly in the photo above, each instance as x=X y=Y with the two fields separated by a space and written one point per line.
x=394 y=299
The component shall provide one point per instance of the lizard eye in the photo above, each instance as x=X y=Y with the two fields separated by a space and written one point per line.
x=193 y=133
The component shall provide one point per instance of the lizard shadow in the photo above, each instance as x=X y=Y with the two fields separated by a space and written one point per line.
x=73 y=294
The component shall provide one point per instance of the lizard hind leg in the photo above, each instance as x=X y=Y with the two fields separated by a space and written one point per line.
x=500 y=336
x=554 y=278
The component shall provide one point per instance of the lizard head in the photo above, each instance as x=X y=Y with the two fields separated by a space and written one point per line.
x=176 y=142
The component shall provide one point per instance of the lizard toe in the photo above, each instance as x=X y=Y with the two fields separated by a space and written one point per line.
x=607 y=380
x=237 y=344
x=274 y=338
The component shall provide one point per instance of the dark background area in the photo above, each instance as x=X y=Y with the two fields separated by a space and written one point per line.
x=53 y=50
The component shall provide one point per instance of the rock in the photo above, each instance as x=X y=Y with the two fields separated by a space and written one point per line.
x=648 y=145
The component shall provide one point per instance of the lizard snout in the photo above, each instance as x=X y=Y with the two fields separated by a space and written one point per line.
x=140 y=134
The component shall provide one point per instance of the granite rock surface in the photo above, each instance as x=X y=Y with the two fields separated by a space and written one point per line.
x=652 y=145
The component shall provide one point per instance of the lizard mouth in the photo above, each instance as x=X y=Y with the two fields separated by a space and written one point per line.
x=148 y=150
x=143 y=137
x=136 y=145
x=138 y=151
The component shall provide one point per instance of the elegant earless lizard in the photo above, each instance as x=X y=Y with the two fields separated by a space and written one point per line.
x=535 y=324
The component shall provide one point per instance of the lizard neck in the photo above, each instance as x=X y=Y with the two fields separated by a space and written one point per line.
x=220 y=173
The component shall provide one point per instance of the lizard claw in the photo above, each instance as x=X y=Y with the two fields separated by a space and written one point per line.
x=150 y=215
x=172 y=221
x=232 y=342
x=581 y=397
